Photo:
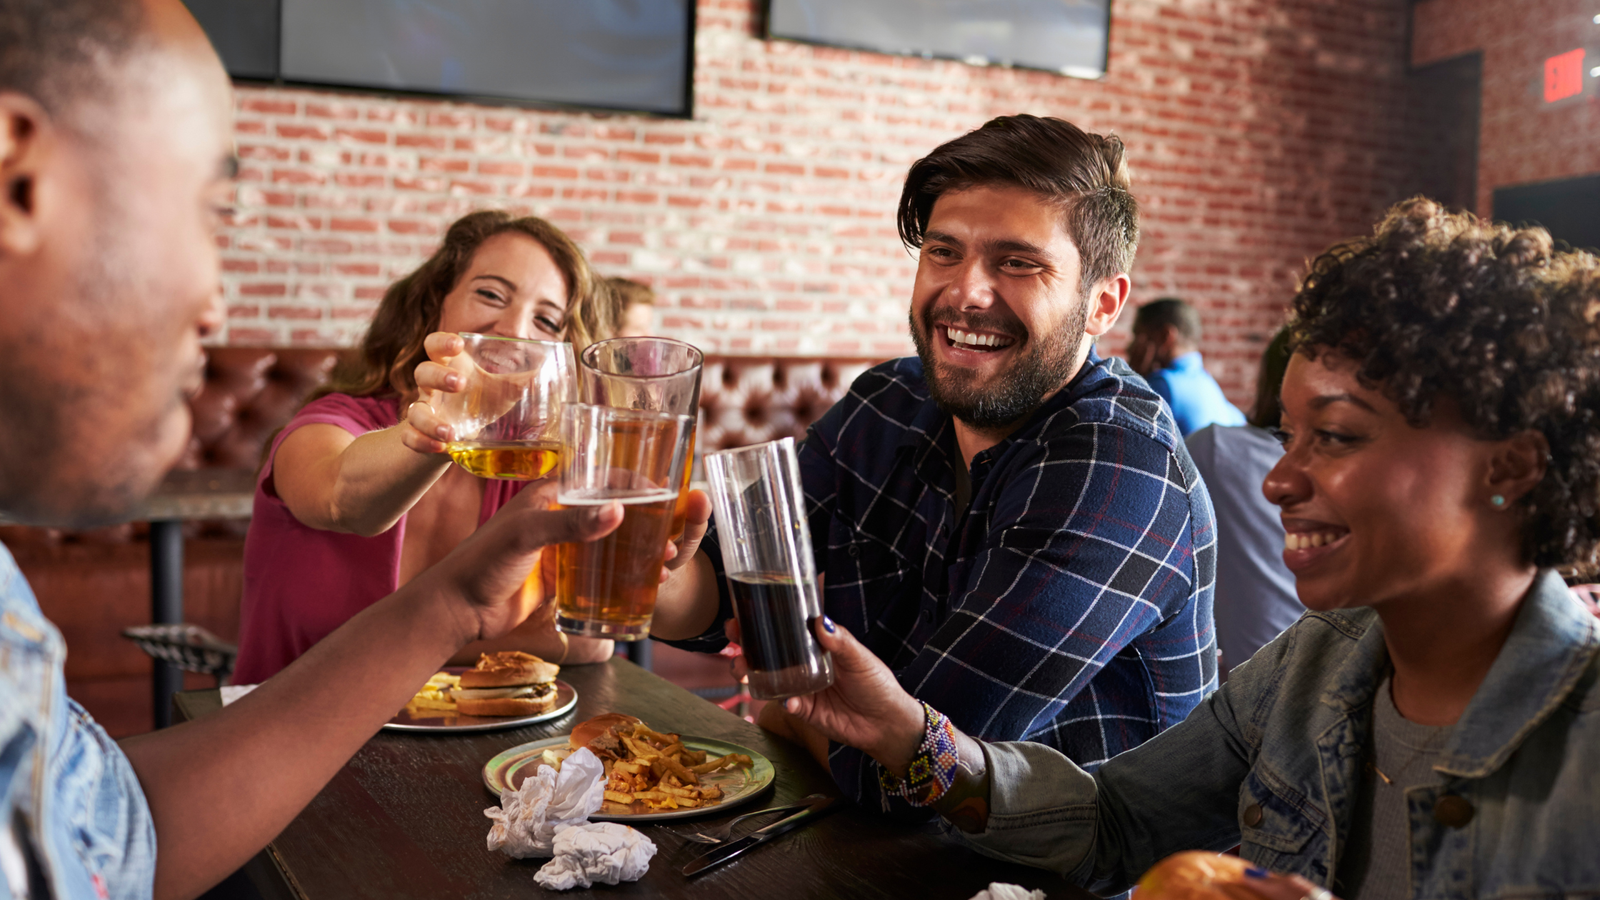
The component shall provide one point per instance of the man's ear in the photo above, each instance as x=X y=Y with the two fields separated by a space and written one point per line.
x=1106 y=300
x=1516 y=465
x=25 y=138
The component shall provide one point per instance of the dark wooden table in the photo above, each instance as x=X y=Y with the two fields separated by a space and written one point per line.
x=405 y=819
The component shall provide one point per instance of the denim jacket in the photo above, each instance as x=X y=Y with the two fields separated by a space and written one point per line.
x=72 y=801
x=1273 y=761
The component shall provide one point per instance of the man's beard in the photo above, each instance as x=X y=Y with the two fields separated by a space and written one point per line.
x=1046 y=367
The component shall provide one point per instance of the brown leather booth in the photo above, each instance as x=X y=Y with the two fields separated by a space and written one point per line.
x=92 y=584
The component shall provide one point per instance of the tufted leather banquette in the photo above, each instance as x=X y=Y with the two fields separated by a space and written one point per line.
x=93 y=584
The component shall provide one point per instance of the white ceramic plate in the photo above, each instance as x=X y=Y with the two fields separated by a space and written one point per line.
x=444 y=721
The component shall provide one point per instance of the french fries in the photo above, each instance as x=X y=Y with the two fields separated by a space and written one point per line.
x=647 y=771
x=435 y=695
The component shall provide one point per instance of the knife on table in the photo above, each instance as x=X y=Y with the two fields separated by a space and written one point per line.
x=720 y=855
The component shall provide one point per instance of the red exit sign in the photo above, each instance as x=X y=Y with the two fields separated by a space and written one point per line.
x=1563 y=76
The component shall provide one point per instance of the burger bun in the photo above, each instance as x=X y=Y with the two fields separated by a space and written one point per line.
x=1191 y=875
x=509 y=668
x=587 y=731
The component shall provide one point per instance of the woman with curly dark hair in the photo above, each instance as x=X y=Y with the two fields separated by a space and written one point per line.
x=1431 y=726
x=356 y=495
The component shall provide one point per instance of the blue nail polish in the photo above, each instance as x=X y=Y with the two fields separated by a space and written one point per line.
x=828 y=625
x=1256 y=872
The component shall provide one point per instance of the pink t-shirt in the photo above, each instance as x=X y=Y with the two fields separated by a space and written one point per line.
x=300 y=583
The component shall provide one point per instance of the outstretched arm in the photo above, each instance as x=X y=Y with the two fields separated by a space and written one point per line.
x=222 y=787
x=336 y=481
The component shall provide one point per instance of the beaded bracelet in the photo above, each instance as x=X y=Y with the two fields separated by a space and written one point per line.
x=933 y=769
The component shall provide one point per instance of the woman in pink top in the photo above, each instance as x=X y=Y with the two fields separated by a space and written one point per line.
x=356 y=495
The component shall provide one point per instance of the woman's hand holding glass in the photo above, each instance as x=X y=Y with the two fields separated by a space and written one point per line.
x=865 y=707
x=441 y=373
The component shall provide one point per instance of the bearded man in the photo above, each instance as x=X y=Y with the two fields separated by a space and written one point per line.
x=1009 y=521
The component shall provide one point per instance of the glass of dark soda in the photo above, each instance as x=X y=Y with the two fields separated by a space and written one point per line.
x=766 y=550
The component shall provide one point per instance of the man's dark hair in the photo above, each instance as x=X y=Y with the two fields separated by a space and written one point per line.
x=1437 y=305
x=1268 y=411
x=1170 y=311
x=61 y=51
x=1084 y=173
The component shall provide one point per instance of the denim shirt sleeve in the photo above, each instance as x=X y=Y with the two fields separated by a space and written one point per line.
x=1178 y=791
x=64 y=780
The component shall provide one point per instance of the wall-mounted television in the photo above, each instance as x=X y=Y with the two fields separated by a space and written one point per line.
x=1569 y=209
x=1065 y=36
x=626 y=55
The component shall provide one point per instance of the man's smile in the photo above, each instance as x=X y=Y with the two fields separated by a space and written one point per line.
x=976 y=340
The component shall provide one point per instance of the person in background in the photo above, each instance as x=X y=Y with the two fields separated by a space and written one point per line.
x=115 y=136
x=1010 y=520
x=1431 y=728
x=637 y=306
x=1255 y=591
x=1166 y=350
x=356 y=495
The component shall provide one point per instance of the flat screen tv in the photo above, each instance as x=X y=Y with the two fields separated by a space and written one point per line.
x=1065 y=36
x=1569 y=209
x=631 y=55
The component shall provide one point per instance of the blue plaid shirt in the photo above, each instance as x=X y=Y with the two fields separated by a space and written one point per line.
x=1070 y=604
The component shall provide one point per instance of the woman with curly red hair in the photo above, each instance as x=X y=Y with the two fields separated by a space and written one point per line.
x=1431 y=726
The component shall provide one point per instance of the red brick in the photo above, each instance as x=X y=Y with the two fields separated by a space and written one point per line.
x=501 y=167
x=444 y=164
x=269 y=106
x=360 y=136
x=293 y=131
x=256 y=289
x=364 y=226
x=294 y=312
x=422 y=141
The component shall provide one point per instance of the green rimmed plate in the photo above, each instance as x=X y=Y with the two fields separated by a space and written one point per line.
x=739 y=785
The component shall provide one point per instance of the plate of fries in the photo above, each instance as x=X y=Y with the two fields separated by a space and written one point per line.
x=650 y=776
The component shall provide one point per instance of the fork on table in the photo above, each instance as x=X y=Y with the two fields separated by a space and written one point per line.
x=721 y=833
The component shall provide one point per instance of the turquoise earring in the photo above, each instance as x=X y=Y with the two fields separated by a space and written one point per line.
x=1498 y=501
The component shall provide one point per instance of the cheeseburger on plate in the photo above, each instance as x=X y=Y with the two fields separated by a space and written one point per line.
x=509 y=683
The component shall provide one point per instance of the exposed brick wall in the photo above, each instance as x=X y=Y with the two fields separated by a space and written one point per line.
x=1523 y=140
x=1260 y=131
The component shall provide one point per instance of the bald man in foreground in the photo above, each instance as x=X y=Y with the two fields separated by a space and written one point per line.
x=115 y=133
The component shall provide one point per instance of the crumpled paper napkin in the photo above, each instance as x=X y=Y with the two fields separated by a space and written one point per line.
x=601 y=853
x=998 y=891
x=527 y=819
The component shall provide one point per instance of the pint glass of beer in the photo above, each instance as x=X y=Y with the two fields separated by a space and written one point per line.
x=507 y=416
x=652 y=373
x=607 y=588
x=766 y=551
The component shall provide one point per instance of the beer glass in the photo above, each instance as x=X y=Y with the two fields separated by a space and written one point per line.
x=766 y=551
x=507 y=416
x=607 y=588
x=651 y=373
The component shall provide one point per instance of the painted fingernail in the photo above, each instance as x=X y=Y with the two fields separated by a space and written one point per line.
x=442 y=432
x=828 y=625
x=454 y=382
x=1256 y=872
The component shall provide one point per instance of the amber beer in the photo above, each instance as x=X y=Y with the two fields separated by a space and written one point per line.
x=515 y=460
x=607 y=588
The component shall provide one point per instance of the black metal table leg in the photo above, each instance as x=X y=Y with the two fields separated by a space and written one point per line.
x=166 y=607
x=639 y=653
